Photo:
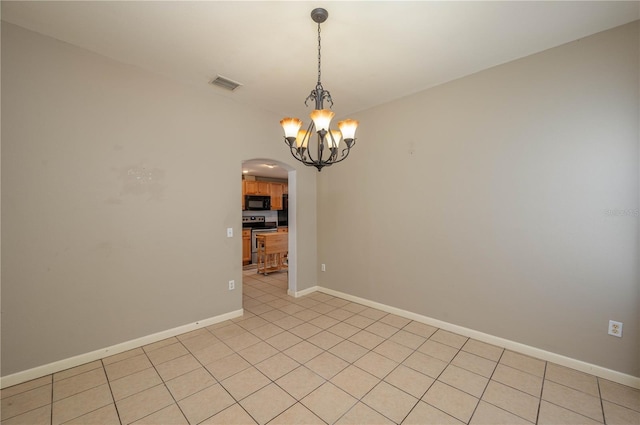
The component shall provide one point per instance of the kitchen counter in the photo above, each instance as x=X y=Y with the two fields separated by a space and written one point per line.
x=272 y=252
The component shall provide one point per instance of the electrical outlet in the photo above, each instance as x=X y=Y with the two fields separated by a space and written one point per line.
x=229 y=232
x=615 y=328
x=232 y=285
x=323 y=267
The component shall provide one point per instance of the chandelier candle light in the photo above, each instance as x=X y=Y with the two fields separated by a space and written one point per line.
x=327 y=144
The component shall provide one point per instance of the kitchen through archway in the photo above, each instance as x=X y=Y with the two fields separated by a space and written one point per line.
x=268 y=229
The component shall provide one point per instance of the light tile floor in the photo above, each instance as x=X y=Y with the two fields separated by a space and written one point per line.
x=314 y=360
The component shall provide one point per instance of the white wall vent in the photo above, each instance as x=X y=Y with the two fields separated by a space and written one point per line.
x=225 y=83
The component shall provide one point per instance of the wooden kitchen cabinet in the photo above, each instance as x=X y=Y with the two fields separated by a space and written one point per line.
x=283 y=229
x=276 y=195
x=273 y=189
x=246 y=246
x=252 y=187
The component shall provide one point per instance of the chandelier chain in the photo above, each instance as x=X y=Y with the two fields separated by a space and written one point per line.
x=319 y=56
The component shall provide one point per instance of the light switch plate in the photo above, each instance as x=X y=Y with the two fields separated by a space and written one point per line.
x=229 y=232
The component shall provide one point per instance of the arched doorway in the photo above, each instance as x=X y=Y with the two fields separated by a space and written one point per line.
x=277 y=172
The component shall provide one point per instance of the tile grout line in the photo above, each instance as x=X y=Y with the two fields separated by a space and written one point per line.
x=573 y=411
x=486 y=386
x=153 y=366
x=80 y=392
x=165 y=382
x=435 y=379
x=360 y=400
x=544 y=379
x=396 y=367
x=604 y=417
x=449 y=363
x=51 y=413
x=200 y=363
x=222 y=386
x=111 y=391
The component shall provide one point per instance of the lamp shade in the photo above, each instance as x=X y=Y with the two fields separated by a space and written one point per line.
x=302 y=140
x=291 y=126
x=348 y=128
x=336 y=139
x=322 y=118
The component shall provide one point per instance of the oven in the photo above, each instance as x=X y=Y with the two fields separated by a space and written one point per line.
x=258 y=226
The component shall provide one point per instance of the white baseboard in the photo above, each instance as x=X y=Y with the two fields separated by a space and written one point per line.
x=37 y=372
x=612 y=375
x=302 y=293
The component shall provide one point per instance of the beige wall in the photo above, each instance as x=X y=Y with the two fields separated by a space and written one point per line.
x=93 y=256
x=483 y=202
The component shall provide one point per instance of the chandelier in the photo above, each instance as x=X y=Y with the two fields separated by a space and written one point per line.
x=325 y=148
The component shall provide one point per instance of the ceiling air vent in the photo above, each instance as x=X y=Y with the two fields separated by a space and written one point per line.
x=225 y=83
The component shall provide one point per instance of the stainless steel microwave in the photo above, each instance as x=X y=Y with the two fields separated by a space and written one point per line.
x=257 y=202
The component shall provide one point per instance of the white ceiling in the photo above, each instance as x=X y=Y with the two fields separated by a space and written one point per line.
x=264 y=168
x=372 y=52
